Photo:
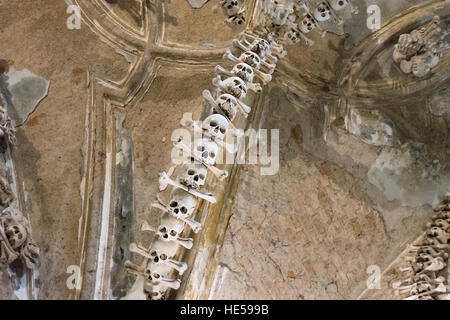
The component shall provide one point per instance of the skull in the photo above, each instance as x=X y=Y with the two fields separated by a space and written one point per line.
x=236 y=20
x=261 y=47
x=182 y=204
x=251 y=58
x=244 y=71
x=322 y=12
x=155 y=292
x=230 y=7
x=16 y=234
x=170 y=228
x=194 y=175
x=293 y=36
x=161 y=251
x=338 y=4
x=308 y=24
x=228 y=104
x=216 y=125
x=236 y=87
x=156 y=272
x=206 y=150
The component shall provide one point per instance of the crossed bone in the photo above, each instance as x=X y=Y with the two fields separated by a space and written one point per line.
x=220 y=174
x=165 y=181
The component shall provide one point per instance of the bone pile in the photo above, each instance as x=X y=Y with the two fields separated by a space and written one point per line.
x=15 y=230
x=425 y=277
x=420 y=50
x=254 y=63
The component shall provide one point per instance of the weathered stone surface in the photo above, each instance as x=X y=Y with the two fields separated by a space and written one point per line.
x=371 y=127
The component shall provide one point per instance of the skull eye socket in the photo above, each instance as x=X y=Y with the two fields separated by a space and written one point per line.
x=163 y=257
x=184 y=210
x=173 y=233
x=222 y=130
x=156 y=276
x=191 y=172
x=212 y=155
x=153 y=253
x=163 y=230
x=201 y=176
x=201 y=148
x=213 y=123
x=174 y=204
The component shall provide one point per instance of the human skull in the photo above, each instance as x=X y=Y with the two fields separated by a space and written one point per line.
x=293 y=36
x=236 y=87
x=244 y=71
x=170 y=228
x=236 y=20
x=251 y=58
x=228 y=104
x=16 y=234
x=338 y=4
x=230 y=7
x=156 y=272
x=261 y=47
x=216 y=126
x=161 y=251
x=308 y=24
x=206 y=150
x=194 y=175
x=182 y=204
x=155 y=292
x=439 y=234
x=322 y=12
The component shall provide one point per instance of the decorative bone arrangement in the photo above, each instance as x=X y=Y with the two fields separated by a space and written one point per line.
x=15 y=230
x=255 y=60
x=420 y=50
x=234 y=10
x=292 y=20
x=425 y=277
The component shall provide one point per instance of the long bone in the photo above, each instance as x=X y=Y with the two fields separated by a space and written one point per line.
x=181 y=267
x=256 y=65
x=433 y=251
x=187 y=122
x=422 y=278
x=241 y=106
x=195 y=226
x=247 y=77
x=263 y=54
x=164 y=181
x=185 y=242
x=160 y=275
x=441 y=288
x=266 y=78
x=276 y=48
x=417 y=287
x=141 y=272
x=220 y=174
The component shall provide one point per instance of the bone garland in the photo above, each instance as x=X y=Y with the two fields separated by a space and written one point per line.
x=291 y=20
x=159 y=269
x=425 y=275
x=7 y=129
x=420 y=50
x=15 y=239
x=15 y=229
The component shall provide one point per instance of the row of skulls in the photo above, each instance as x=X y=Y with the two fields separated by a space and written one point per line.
x=425 y=275
x=256 y=61
x=15 y=230
x=292 y=20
